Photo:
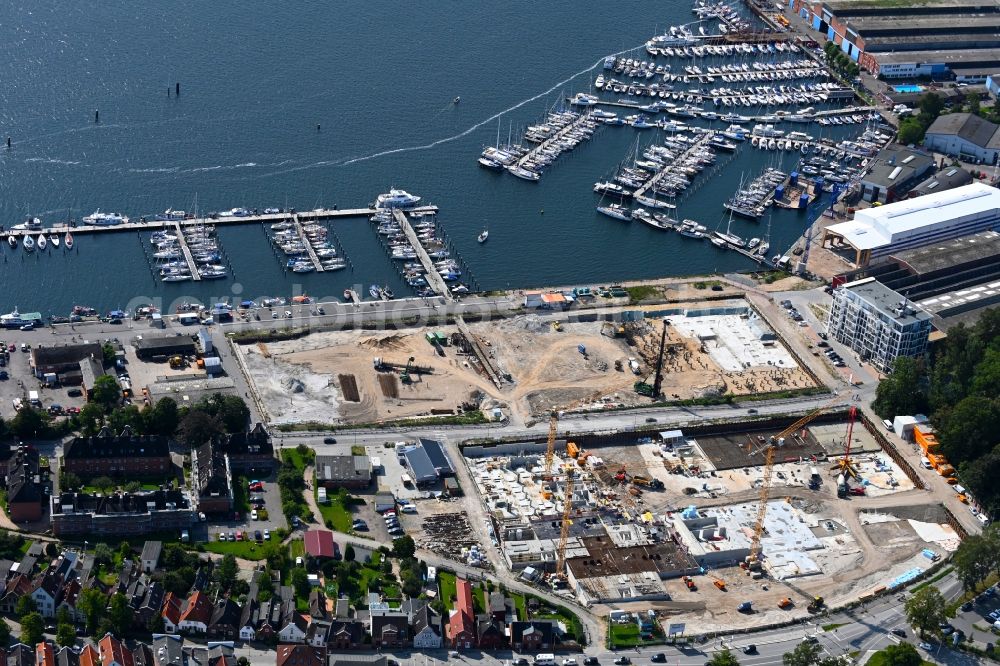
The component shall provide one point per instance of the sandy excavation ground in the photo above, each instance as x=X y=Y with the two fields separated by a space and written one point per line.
x=300 y=380
x=550 y=372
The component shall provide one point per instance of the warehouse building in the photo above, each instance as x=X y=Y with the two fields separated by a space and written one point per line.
x=966 y=136
x=63 y=359
x=937 y=38
x=948 y=179
x=162 y=348
x=897 y=169
x=343 y=471
x=878 y=323
x=875 y=233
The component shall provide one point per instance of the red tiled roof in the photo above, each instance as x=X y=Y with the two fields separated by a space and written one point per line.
x=113 y=651
x=89 y=656
x=300 y=655
x=319 y=543
x=45 y=655
x=172 y=607
x=463 y=619
x=199 y=609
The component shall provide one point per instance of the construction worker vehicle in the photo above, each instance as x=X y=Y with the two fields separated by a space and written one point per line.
x=785 y=604
x=745 y=607
x=646 y=482
x=816 y=605
x=690 y=583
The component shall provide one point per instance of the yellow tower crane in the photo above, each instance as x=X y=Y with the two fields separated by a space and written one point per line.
x=551 y=448
x=567 y=510
x=753 y=559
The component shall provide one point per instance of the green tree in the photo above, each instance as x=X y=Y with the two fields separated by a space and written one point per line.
x=127 y=415
x=226 y=571
x=69 y=481
x=974 y=559
x=119 y=615
x=972 y=99
x=109 y=352
x=32 y=629
x=231 y=411
x=90 y=419
x=931 y=104
x=63 y=616
x=132 y=487
x=968 y=428
x=25 y=606
x=174 y=581
x=723 y=658
x=911 y=132
x=29 y=423
x=197 y=428
x=65 y=634
x=104 y=483
x=806 y=653
x=91 y=603
x=901 y=392
x=300 y=581
x=162 y=418
x=403 y=546
x=902 y=654
x=4 y=633
x=106 y=392
x=349 y=553
x=925 y=609
x=265 y=588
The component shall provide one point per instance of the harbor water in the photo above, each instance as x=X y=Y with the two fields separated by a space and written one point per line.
x=314 y=104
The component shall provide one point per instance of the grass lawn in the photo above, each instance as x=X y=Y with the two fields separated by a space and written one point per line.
x=241 y=495
x=446 y=588
x=627 y=635
x=522 y=612
x=248 y=550
x=479 y=598
x=391 y=591
x=295 y=458
x=831 y=627
x=880 y=659
x=296 y=548
x=337 y=512
x=559 y=613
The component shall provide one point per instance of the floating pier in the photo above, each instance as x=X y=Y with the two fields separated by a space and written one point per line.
x=153 y=225
x=313 y=257
x=432 y=276
x=188 y=257
x=659 y=175
x=580 y=121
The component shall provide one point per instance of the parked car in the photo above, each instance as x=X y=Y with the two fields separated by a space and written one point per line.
x=899 y=632
x=253 y=514
x=267 y=535
x=329 y=440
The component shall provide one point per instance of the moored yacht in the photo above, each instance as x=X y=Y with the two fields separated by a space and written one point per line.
x=617 y=211
x=396 y=199
x=100 y=219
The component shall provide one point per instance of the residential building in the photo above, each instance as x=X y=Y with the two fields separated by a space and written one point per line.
x=89 y=656
x=150 y=605
x=67 y=656
x=45 y=654
x=249 y=452
x=225 y=620
x=294 y=627
x=113 y=652
x=173 y=607
x=211 y=480
x=168 y=650
x=197 y=613
x=353 y=472
x=964 y=135
x=462 y=623
x=120 y=514
x=150 y=557
x=877 y=232
x=123 y=455
x=346 y=634
x=358 y=660
x=896 y=170
x=250 y=617
x=533 y=636
x=490 y=634
x=25 y=487
x=300 y=655
x=425 y=627
x=390 y=631
x=878 y=323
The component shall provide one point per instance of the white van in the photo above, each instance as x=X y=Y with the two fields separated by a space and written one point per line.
x=545 y=660
x=887 y=424
x=925 y=462
x=959 y=490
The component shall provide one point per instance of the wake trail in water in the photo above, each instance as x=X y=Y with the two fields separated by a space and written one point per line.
x=454 y=137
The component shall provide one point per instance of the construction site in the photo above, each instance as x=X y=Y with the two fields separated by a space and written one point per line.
x=361 y=377
x=528 y=364
x=718 y=527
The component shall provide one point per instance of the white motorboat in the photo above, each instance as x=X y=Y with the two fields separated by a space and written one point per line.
x=483 y=236
x=100 y=219
x=396 y=199
x=54 y=239
x=12 y=241
x=524 y=174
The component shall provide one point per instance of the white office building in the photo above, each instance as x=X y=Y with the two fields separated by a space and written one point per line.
x=878 y=323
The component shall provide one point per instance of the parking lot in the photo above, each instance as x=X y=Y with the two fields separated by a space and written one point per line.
x=209 y=530
x=980 y=616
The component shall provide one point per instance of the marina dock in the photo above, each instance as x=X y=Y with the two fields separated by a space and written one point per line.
x=308 y=243
x=530 y=156
x=659 y=175
x=188 y=257
x=432 y=276
x=153 y=225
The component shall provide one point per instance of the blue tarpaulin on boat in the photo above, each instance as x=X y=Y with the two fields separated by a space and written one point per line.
x=117 y=313
x=246 y=304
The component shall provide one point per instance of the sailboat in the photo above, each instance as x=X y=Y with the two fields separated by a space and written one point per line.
x=41 y=242
x=12 y=240
x=54 y=239
x=68 y=241
x=765 y=245
x=728 y=238
x=28 y=243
